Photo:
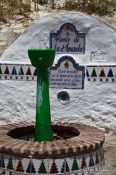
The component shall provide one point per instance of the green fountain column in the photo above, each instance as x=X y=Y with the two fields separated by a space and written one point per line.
x=42 y=59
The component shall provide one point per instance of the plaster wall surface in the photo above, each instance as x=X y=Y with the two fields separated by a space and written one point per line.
x=95 y=105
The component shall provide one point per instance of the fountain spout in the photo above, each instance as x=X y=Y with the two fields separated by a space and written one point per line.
x=42 y=59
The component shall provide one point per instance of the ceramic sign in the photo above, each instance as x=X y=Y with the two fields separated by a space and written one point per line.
x=66 y=74
x=68 y=40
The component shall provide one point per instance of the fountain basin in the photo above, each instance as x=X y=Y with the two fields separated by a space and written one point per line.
x=41 y=57
x=78 y=151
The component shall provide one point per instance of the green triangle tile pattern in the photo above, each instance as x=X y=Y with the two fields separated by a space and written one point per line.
x=75 y=165
x=94 y=74
x=42 y=168
x=28 y=72
x=20 y=69
x=10 y=164
x=21 y=72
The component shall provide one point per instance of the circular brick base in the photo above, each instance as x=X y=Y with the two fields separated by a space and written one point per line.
x=82 y=153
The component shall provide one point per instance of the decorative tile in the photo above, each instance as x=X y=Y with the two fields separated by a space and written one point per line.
x=94 y=73
x=21 y=72
x=110 y=73
x=14 y=72
x=42 y=168
x=75 y=165
x=65 y=167
x=30 y=167
x=7 y=71
x=102 y=73
x=2 y=163
x=18 y=70
x=28 y=71
x=19 y=167
x=10 y=164
x=83 y=163
x=54 y=168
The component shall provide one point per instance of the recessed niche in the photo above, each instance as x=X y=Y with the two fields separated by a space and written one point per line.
x=63 y=97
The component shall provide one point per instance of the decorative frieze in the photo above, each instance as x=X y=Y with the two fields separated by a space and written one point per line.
x=101 y=73
x=17 y=72
x=26 y=72
x=82 y=164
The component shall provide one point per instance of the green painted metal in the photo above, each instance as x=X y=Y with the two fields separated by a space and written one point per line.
x=42 y=59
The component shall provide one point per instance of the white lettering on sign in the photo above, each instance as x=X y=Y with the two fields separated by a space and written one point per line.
x=66 y=76
x=68 y=40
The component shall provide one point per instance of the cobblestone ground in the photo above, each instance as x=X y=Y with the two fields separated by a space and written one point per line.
x=110 y=155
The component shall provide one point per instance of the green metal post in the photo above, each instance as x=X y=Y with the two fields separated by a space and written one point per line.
x=42 y=59
x=43 y=130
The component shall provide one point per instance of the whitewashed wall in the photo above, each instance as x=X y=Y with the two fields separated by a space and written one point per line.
x=95 y=105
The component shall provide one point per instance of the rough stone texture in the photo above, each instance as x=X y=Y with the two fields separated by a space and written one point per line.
x=110 y=153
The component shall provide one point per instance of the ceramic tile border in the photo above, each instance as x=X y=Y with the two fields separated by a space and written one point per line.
x=17 y=72
x=26 y=72
x=101 y=73
x=85 y=164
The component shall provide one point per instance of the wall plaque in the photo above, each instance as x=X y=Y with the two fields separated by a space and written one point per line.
x=99 y=55
x=68 y=40
x=67 y=74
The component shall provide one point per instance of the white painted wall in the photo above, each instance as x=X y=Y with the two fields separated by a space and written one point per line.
x=95 y=105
